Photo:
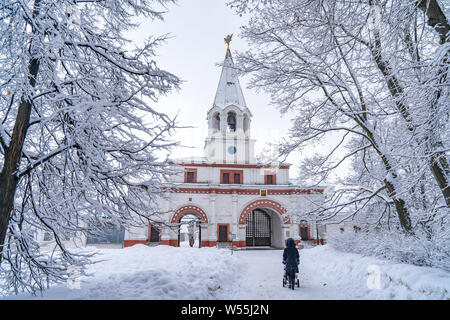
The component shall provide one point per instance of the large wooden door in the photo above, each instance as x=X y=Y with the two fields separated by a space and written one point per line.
x=258 y=231
x=304 y=233
x=154 y=234
x=223 y=233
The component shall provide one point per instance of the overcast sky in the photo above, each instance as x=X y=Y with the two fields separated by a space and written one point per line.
x=198 y=28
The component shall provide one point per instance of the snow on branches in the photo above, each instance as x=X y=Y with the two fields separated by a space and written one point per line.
x=372 y=75
x=79 y=129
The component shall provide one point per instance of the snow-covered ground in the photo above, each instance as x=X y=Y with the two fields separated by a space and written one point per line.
x=164 y=272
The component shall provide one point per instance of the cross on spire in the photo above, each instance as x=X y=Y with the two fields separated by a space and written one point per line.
x=228 y=40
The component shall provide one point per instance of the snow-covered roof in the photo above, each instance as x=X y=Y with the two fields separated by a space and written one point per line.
x=229 y=91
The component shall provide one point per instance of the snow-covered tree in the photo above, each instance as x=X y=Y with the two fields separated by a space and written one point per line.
x=79 y=128
x=373 y=74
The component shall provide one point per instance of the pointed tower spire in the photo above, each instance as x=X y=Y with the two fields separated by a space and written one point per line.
x=229 y=91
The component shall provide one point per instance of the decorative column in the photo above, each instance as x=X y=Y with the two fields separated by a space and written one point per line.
x=223 y=123
x=234 y=220
x=204 y=235
x=295 y=219
x=240 y=123
x=211 y=235
x=165 y=236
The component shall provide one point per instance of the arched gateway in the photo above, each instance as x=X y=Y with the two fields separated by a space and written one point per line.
x=264 y=220
x=190 y=210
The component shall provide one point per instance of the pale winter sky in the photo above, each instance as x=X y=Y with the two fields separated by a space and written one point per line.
x=198 y=28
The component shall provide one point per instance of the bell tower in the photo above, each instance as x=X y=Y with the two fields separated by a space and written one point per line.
x=229 y=119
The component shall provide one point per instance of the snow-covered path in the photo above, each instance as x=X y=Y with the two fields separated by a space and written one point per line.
x=164 y=272
x=262 y=279
x=329 y=274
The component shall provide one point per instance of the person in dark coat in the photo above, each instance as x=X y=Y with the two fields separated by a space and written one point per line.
x=291 y=260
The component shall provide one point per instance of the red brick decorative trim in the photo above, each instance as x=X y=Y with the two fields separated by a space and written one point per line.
x=263 y=203
x=171 y=242
x=245 y=191
x=216 y=190
x=294 y=191
x=212 y=243
x=206 y=243
x=129 y=243
x=192 y=210
x=290 y=191
x=229 y=165
x=239 y=244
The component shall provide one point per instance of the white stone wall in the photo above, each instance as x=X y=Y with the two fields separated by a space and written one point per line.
x=227 y=208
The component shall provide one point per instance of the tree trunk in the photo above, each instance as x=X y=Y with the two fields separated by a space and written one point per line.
x=8 y=177
x=438 y=21
x=436 y=18
x=440 y=169
x=402 y=212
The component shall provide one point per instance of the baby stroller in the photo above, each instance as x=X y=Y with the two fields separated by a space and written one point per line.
x=286 y=279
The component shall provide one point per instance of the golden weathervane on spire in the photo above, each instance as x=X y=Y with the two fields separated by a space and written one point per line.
x=228 y=40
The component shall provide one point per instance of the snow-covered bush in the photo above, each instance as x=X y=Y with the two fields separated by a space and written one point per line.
x=397 y=246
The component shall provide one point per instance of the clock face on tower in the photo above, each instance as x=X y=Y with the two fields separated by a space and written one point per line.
x=232 y=150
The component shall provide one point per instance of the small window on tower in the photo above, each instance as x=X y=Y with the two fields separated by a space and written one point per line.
x=237 y=178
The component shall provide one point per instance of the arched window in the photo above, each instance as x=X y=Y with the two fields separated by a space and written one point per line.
x=231 y=121
x=216 y=122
